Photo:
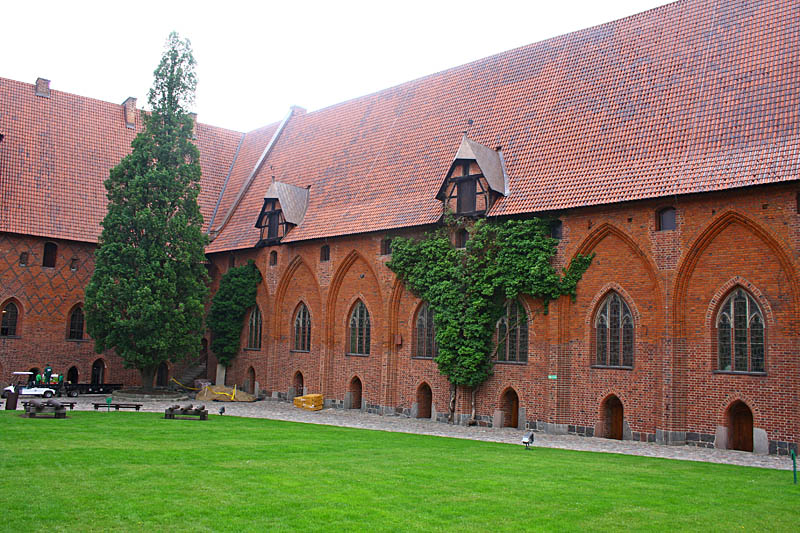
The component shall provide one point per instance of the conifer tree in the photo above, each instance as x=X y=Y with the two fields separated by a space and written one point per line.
x=147 y=294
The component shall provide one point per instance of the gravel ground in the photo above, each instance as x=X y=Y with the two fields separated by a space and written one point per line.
x=279 y=410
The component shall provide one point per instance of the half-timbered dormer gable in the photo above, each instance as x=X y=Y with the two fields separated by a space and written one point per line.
x=475 y=180
x=284 y=208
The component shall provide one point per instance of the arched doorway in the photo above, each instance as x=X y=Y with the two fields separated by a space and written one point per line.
x=297 y=383
x=251 y=380
x=72 y=374
x=613 y=415
x=509 y=404
x=162 y=375
x=34 y=371
x=424 y=400
x=98 y=372
x=355 y=391
x=739 y=419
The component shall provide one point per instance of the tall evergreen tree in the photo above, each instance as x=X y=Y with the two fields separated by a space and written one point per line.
x=146 y=297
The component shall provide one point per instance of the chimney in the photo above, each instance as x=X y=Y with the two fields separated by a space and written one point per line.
x=194 y=125
x=129 y=106
x=43 y=87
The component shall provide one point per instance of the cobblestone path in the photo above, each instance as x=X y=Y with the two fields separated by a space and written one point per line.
x=279 y=410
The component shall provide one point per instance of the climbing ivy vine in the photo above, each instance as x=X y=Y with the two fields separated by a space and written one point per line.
x=467 y=288
x=237 y=293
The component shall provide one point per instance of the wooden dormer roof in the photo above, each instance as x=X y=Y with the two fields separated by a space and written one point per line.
x=490 y=162
x=293 y=200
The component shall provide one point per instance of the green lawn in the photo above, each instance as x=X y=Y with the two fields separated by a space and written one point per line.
x=138 y=472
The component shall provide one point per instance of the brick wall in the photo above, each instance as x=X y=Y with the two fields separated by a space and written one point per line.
x=672 y=281
x=673 y=391
x=45 y=297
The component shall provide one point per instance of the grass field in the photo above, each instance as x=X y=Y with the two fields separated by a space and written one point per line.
x=138 y=472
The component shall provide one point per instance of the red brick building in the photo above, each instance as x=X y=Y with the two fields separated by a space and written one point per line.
x=666 y=143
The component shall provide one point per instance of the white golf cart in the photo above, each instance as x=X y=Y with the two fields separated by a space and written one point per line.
x=26 y=386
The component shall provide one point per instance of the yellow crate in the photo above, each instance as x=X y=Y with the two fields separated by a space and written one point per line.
x=310 y=402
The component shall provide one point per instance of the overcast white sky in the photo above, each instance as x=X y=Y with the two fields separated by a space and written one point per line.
x=255 y=59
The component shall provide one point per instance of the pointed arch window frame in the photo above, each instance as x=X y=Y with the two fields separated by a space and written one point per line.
x=359 y=330
x=513 y=346
x=302 y=329
x=613 y=334
x=424 y=334
x=737 y=349
x=9 y=324
x=76 y=326
x=255 y=325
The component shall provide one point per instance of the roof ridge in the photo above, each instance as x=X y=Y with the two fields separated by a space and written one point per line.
x=225 y=185
x=251 y=178
x=110 y=103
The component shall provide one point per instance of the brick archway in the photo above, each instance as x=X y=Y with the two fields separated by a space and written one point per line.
x=356 y=390
x=251 y=380
x=739 y=421
x=297 y=383
x=162 y=375
x=509 y=404
x=613 y=415
x=72 y=375
x=98 y=372
x=424 y=400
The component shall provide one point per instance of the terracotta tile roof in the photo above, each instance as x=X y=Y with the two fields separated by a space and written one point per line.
x=693 y=96
x=253 y=145
x=57 y=152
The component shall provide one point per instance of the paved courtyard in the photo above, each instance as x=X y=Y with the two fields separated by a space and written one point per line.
x=279 y=410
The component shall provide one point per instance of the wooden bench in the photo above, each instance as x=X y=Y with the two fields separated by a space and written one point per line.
x=36 y=408
x=71 y=405
x=117 y=406
x=177 y=412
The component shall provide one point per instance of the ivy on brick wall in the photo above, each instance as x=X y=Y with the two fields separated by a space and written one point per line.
x=467 y=288
x=237 y=293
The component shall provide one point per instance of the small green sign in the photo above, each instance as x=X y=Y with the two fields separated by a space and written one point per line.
x=552 y=376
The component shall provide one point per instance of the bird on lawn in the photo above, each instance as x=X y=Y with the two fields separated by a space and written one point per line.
x=527 y=439
x=222 y=410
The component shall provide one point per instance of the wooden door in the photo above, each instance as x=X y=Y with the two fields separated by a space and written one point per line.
x=424 y=399
x=355 y=390
x=514 y=411
x=614 y=417
x=740 y=426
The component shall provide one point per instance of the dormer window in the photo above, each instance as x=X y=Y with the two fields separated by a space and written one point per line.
x=468 y=193
x=476 y=179
x=467 y=188
x=270 y=221
x=284 y=208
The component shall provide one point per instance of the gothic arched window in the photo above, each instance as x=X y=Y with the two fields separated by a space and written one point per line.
x=9 y=321
x=359 y=330
x=76 y=324
x=512 y=334
x=740 y=334
x=424 y=334
x=254 y=329
x=613 y=325
x=302 y=329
